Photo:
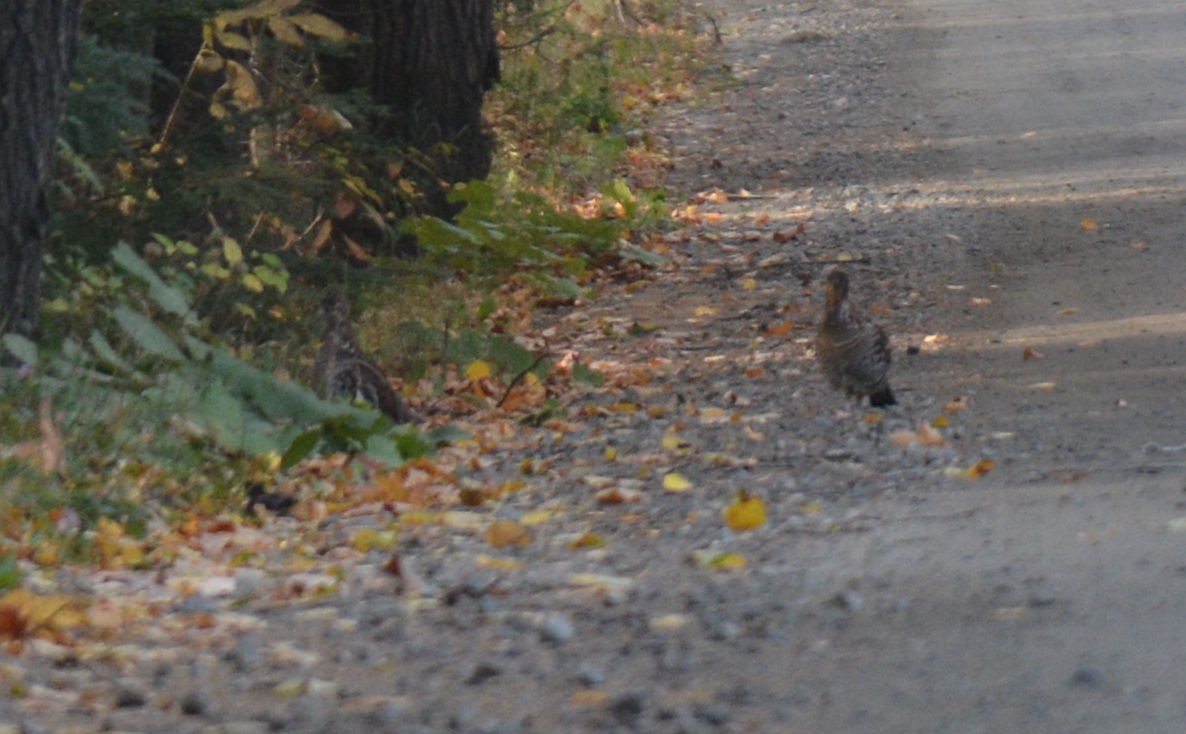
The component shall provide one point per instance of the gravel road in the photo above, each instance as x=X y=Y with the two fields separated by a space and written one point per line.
x=1003 y=181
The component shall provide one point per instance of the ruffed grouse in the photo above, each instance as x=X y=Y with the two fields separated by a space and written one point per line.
x=854 y=354
x=342 y=370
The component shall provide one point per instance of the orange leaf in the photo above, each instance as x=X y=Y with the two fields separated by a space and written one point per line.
x=980 y=468
x=1087 y=224
x=780 y=329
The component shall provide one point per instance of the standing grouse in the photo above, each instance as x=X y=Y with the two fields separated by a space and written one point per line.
x=853 y=353
x=341 y=369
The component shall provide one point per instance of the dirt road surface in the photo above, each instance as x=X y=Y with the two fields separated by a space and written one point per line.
x=1044 y=170
x=1004 y=182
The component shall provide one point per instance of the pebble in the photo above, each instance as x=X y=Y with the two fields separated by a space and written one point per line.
x=194 y=704
x=130 y=698
x=628 y=706
x=557 y=628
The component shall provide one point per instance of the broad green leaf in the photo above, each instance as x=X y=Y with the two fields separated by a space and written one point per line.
x=147 y=335
x=105 y=352
x=301 y=447
x=21 y=348
x=271 y=277
x=166 y=296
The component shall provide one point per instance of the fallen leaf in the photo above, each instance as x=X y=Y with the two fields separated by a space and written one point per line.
x=503 y=533
x=1087 y=224
x=674 y=482
x=589 y=541
x=618 y=496
x=780 y=329
x=980 y=468
x=749 y=284
x=1030 y=353
x=478 y=370
x=1068 y=311
x=928 y=436
x=719 y=561
x=1046 y=387
x=746 y=513
x=673 y=441
x=784 y=235
x=980 y=302
x=1138 y=245
x=956 y=405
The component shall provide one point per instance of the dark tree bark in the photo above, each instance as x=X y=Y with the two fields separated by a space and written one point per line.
x=38 y=40
x=431 y=62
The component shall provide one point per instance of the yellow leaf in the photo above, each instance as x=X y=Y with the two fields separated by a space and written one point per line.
x=537 y=517
x=718 y=561
x=253 y=283
x=747 y=513
x=749 y=284
x=36 y=612
x=319 y=25
x=500 y=564
x=674 y=482
x=672 y=441
x=611 y=454
x=1087 y=224
x=285 y=31
x=232 y=251
x=704 y=311
x=478 y=370
x=940 y=422
x=369 y=539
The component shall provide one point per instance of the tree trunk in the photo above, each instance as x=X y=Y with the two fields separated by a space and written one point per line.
x=431 y=62
x=38 y=40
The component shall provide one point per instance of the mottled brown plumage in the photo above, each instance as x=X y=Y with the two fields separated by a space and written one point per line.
x=342 y=370
x=853 y=353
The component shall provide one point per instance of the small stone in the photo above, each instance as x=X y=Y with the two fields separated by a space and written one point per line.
x=557 y=628
x=591 y=676
x=483 y=671
x=311 y=713
x=194 y=704
x=725 y=631
x=246 y=655
x=1087 y=678
x=128 y=698
x=628 y=706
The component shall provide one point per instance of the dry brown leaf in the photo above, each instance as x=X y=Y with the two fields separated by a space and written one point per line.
x=1030 y=353
x=503 y=533
x=928 y=436
x=956 y=404
x=1087 y=224
x=618 y=496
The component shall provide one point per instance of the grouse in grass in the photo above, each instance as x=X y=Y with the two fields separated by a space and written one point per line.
x=853 y=353
x=342 y=370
